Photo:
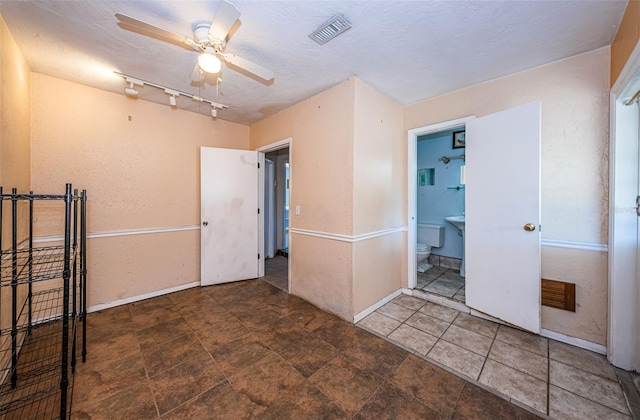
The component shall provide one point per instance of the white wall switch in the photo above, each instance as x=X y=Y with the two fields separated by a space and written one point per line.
x=297 y=210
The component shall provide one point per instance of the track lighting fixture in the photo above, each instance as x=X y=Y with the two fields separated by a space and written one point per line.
x=131 y=91
x=172 y=96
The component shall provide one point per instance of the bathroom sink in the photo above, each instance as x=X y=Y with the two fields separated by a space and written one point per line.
x=457 y=221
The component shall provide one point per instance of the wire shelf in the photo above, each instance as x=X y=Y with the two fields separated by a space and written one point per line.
x=43 y=297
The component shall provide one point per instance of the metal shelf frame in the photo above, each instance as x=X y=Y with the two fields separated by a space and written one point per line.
x=38 y=345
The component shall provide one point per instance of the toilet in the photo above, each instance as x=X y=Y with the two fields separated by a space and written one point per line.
x=429 y=236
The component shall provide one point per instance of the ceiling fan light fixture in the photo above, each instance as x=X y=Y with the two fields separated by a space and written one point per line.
x=209 y=63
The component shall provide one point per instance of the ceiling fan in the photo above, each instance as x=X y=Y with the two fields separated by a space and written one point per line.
x=209 y=38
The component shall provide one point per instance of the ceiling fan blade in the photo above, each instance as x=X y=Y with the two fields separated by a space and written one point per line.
x=223 y=21
x=251 y=67
x=147 y=27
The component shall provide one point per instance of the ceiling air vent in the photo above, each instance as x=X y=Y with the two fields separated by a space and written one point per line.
x=330 y=29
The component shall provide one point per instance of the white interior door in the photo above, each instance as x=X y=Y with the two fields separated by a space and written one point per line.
x=502 y=197
x=230 y=192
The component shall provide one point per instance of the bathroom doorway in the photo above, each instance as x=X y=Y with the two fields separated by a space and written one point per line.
x=502 y=254
x=440 y=159
x=276 y=214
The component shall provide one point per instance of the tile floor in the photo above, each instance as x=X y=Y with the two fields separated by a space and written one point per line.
x=247 y=349
x=553 y=378
x=276 y=272
x=442 y=281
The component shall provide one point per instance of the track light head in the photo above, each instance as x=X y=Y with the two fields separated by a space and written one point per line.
x=172 y=96
x=214 y=112
x=131 y=91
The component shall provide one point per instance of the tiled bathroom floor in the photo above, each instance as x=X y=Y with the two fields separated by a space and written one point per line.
x=442 y=281
x=557 y=379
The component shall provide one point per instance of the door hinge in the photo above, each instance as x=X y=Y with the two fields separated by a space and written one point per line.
x=258 y=165
x=637 y=207
x=258 y=211
x=258 y=256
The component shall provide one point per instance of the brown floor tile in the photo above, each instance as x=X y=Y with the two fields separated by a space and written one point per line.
x=219 y=402
x=221 y=333
x=142 y=320
x=340 y=334
x=433 y=386
x=151 y=304
x=134 y=402
x=185 y=381
x=167 y=355
x=104 y=348
x=306 y=402
x=269 y=380
x=346 y=385
x=239 y=354
x=389 y=402
x=370 y=352
x=303 y=350
x=259 y=318
x=96 y=381
x=477 y=403
x=162 y=332
x=199 y=319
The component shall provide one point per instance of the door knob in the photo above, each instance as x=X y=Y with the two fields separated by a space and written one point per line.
x=205 y=223
x=529 y=227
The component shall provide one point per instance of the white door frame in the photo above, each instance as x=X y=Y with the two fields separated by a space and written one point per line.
x=623 y=333
x=271 y=147
x=412 y=187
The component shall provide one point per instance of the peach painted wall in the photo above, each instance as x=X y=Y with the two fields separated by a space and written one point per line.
x=139 y=162
x=14 y=121
x=14 y=159
x=378 y=175
x=321 y=129
x=575 y=137
x=346 y=176
x=626 y=39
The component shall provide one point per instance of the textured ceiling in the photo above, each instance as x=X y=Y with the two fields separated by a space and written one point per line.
x=408 y=50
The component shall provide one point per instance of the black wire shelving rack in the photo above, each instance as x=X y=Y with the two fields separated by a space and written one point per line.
x=43 y=297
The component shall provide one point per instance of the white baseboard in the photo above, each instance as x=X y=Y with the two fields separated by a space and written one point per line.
x=370 y=309
x=578 y=342
x=144 y=296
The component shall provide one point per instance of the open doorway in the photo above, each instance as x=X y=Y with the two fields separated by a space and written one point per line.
x=276 y=214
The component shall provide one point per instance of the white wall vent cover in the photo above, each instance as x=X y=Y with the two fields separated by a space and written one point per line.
x=330 y=29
